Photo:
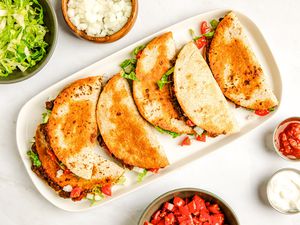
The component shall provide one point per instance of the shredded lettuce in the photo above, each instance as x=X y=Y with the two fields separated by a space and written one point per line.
x=142 y=175
x=34 y=158
x=45 y=116
x=22 y=33
x=214 y=23
x=137 y=50
x=128 y=69
x=173 y=134
x=164 y=79
x=121 y=180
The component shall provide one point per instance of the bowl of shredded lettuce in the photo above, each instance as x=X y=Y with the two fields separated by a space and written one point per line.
x=28 y=33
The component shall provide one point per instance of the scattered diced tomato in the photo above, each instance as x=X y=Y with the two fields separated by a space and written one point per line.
x=217 y=219
x=190 y=123
x=204 y=28
x=147 y=223
x=169 y=206
x=201 y=42
x=170 y=219
x=156 y=216
x=52 y=155
x=186 y=141
x=214 y=208
x=67 y=171
x=153 y=170
x=75 y=193
x=204 y=215
x=139 y=54
x=184 y=210
x=106 y=189
x=192 y=206
x=178 y=201
x=199 y=202
x=262 y=112
x=201 y=137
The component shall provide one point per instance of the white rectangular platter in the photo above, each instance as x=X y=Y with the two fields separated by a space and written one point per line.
x=30 y=115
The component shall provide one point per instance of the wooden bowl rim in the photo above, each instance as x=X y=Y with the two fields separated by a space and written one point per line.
x=111 y=38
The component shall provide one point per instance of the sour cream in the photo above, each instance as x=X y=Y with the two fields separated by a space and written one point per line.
x=99 y=18
x=284 y=191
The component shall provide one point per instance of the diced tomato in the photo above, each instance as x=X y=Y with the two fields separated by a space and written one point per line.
x=147 y=223
x=204 y=28
x=217 y=219
x=178 y=201
x=106 y=189
x=196 y=221
x=184 y=210
x=163 y=213
x=156 y=215
x=186 y=141
x=192 y=207
x=75 y=193
x=204 y=215
x=262 y=112
x=207 y=204
x=170 y=219
x=201 y=42
x=139 y=54
x=169 y=206
x=187 y=221
x=214 y=208
x=67 y=171
x=155 y=222
x=201 y=137
x=153 y=170
x=200 y=203
x=161 y=222
x=52 y=155
x=190 y=123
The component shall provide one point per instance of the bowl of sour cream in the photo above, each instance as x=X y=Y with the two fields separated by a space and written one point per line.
x=283 y=191
x=100 y=21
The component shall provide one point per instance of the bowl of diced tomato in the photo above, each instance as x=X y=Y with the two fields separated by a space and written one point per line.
x=286 y=139
x=188 y=206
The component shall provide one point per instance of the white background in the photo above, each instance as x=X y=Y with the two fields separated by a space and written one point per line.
x=236 y=172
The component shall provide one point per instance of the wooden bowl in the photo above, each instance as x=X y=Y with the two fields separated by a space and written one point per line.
x=111 y=38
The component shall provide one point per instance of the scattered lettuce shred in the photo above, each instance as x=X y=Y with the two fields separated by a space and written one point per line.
x=121 y=180
x=165 y=78
x=22 y=33
x=45 y=116
x=34 y=158
x=141 y=176
x=137 y=50
x=173 y=134
x=213 y=23
x=96 y=195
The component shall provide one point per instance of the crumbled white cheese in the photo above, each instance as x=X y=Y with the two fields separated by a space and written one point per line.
x=99 y=18
x=98 y=198
x=67 y=188
x=90 y=196
x=251 y=116
x=59 y=173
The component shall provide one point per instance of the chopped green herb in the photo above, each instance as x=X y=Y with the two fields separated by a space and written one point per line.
x=137 y=50
x=130 y=76
x=34 y=158
x=173 y=134
x=193 y=34
x=214 y=23
x=209 y=34
x=164 y=79
x=45 y=116
x=142 y=175
x=128 y=62
x=272 y=109
x=22 y=33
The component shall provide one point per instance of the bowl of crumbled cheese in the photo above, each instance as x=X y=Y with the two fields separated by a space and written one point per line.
x=100 y=20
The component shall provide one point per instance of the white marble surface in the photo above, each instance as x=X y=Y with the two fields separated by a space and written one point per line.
x=236 y=172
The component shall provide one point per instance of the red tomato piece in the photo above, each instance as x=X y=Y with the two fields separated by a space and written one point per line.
x=190 y=123
x=147 y=223
x=204 y=28
x=196 y=221
x=186 y=141
x=178 y=201
x=75 y=193
x=156 y=215
x=201 y=42
x=153 y=170
x=201 y=137
x=184 y=210
x=217 y=219
x=67 y=171
x=169 y=206
x=139 y=54
x=170 y=219
x=52 y=155
x=204 y=216
x=200 y=203
x=192 y=207
x=161 y=222
x=262 y=112
x=214 y=208
x=106 y=189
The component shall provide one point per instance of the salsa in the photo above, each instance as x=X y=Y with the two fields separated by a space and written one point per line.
x=289 y=141
x=188 y=211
